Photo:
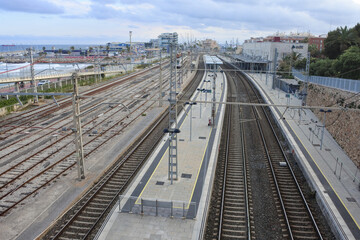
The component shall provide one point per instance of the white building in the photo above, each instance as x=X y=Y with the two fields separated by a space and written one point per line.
x=164 y=39
x=266 y=50
x=155 y=42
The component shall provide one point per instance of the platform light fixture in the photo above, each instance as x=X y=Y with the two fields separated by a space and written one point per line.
x=324 y=120
x=191 y=104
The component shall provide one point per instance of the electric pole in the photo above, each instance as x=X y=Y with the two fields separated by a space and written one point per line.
x=274 y=68
x=32 y=72
x=172 y=130
x=307 y=79
x=78 y=130
x=160 y=82
x=130 y=33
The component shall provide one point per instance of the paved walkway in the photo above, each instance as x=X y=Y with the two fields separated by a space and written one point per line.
x=197 y=152
x=334 y=176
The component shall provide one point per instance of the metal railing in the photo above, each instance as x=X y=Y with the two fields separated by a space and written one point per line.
x=157 y=207
x=349 y=85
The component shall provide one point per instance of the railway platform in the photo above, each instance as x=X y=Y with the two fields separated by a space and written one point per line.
x=329 y=170
x=152 y=207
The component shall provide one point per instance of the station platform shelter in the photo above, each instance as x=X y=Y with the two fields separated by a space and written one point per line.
x=245 y=62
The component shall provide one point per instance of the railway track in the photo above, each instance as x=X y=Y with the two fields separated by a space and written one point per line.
x=292 y=217
x=42 y=117
x=85 y=218
x=36 y=115
x=234 y=217
x=29 y=175
x=298 y=217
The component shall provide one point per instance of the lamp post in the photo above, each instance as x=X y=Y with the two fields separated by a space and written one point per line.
x=201 y=90
x=190 y=103
x=324 y=120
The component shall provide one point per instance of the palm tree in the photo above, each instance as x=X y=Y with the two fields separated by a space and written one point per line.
x=346 y=38
x=294 y=56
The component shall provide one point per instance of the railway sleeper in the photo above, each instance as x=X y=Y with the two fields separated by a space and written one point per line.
x=233 y=234
x=306 y=227
x=116 y=180
x=73 y=235
x=235 y=202
x=238 y=213
x=235 y=188
x=98 y=203
x=80 y=223
x=234 y=219
x=108 y=192
x=235 y=185
x=293 y=201
x=235 y=176
x=290 y=196
x=295 y=207
x=235 y=207
x=301 y=234
x=112 y=187
x=64 y=238
x=241 y=226
x=235 y=197
x=93 y=210
x=83 y=218
x=102 y=197
x=78 y=228
x=296 y=212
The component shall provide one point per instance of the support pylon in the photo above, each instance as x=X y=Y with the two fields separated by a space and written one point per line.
x=78 y=130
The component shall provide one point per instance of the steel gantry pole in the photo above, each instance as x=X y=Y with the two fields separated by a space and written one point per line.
x=274 y=68
x=307 y=80
x=160 y=82
x=77 y=129
x=213 y=100
x=32 y=72
x=172 y=130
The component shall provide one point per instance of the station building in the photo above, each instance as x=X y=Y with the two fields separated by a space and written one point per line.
x=266 y=50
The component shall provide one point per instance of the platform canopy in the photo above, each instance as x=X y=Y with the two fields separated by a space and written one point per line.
x=212 y=60
x=212 y=63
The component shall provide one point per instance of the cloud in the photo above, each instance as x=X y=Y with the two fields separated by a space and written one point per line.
x=208 y=18
x=33 y=6
x=229 y=14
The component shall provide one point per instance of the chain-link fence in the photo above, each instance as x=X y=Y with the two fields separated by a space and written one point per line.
x=339 y=83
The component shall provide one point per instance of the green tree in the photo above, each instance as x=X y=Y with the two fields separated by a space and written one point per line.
x=323 y=67
x=347 y=38
x=314 y=51
x=300 y=64
x=348 y=65
x=339 y=40
x=331 y=44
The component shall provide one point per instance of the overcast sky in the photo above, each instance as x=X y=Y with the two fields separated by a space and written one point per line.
x=102 y=21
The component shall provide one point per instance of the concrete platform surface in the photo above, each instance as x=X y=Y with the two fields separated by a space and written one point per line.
x=197 y=153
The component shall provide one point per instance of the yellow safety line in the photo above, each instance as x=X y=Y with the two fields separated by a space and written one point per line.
x=151 y=175
x=197 y=175
x=325 y=177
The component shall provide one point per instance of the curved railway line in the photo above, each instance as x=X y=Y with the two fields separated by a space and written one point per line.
x=38 y=114
x=85 y=218
x=26 y=176
x=238 y=204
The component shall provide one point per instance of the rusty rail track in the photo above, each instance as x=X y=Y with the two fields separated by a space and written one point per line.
x=86 y=217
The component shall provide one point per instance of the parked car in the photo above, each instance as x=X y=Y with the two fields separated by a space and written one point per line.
x=42 y=82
